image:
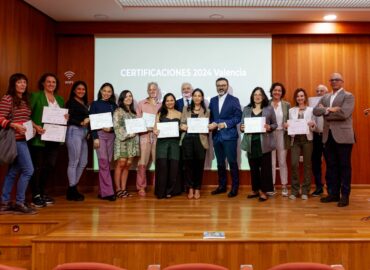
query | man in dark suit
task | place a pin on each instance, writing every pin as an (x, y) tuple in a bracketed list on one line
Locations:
[(338, 137), (225, 116), (186, 91)]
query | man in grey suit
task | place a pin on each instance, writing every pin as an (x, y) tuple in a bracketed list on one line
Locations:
[(338, 136)]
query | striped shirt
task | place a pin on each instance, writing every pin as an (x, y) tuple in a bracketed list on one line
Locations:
[(21, 114)]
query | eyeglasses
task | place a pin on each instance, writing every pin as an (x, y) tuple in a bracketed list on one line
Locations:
[(335, 80), (221, 85)]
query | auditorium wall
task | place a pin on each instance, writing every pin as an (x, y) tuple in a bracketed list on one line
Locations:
[(33, 43)]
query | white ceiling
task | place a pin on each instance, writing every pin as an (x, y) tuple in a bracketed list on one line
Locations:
[(202, 10)]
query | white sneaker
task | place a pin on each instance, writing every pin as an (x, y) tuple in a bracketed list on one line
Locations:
[(284, 191), (304, 197), (271, 193), (292, 197)]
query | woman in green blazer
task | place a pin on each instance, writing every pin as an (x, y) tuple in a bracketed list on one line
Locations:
[(43, 153)]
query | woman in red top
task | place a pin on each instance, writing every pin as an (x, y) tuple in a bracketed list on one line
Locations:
[(14, 111)]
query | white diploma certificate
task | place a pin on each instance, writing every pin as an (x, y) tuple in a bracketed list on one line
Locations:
[(101, 120), (313, 101), (54, 133), (254, 125), (168, 129), (29, 130), (135, 125), (297, 127), (52, 115), (149, 119), (197, 125)]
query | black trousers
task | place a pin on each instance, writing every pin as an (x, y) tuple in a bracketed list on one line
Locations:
[(193, 154), (317, 153), (44, 160), (338, 167), (261, 173)]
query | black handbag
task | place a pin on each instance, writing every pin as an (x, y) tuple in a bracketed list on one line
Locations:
[(8, 146)]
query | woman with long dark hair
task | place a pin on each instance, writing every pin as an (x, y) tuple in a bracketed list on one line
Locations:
[(259, 145), (126, 146), (167, 152), (78, 124), (14, 111), (104, 140), (44, 153), (194, 145)]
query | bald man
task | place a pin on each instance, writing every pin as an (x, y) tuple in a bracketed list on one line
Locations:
[(338, 136), (318, 146)]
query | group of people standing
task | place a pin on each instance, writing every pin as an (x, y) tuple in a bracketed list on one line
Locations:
[(330, 133)]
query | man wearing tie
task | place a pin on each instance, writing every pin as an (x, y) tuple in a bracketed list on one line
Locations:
[(338, 137), (186, 90), (225, 116), (318, 147)]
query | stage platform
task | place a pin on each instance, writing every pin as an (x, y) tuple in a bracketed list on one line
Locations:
[(136, 232)]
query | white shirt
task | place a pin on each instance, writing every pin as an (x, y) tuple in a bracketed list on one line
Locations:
[(53, 104), (185, 101), (333, 96), (279, 115), (221, 100)]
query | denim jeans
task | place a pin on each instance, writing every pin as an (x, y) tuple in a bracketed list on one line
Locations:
[(77, 153), (22, 165)]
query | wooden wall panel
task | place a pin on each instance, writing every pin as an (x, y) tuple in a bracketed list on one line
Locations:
[(28, 43), (306, 61)]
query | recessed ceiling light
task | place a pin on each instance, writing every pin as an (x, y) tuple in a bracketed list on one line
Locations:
[(216, 17), (330, 17)]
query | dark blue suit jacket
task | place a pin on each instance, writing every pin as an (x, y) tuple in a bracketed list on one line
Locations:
[(230, 114), (179, 104)]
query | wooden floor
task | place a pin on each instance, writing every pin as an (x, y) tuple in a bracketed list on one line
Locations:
[(135, 232)]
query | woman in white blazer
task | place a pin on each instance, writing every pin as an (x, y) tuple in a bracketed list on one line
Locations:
[(301, 144)]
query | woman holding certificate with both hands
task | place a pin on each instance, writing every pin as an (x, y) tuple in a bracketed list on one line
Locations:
[(126, 146), (301, 142), (194, 144), (260, 143), (167, 150), (103, 141), (43, 153)]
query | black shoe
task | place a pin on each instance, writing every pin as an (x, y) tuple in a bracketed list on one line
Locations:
[(232, 194), (253, 195), (47, 199), (6, 208), (78, 196), (343, 202), (23, 209), (218, 190), (330, 198), (111, 198), (38, 201), (70, 195), (317, 192), (262, 199)]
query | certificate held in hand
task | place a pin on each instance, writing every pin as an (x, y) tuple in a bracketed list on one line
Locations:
[(168, 129), (51, 115), (101, 120), (54, 133), (149, 119), (197, 125), (297, 127), (254, 125), (135, 125)]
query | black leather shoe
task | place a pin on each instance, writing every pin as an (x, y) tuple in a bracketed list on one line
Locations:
[(232, 193), (253, 195), (218, 190), (330, 198), (262, 199), (343, 202)]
